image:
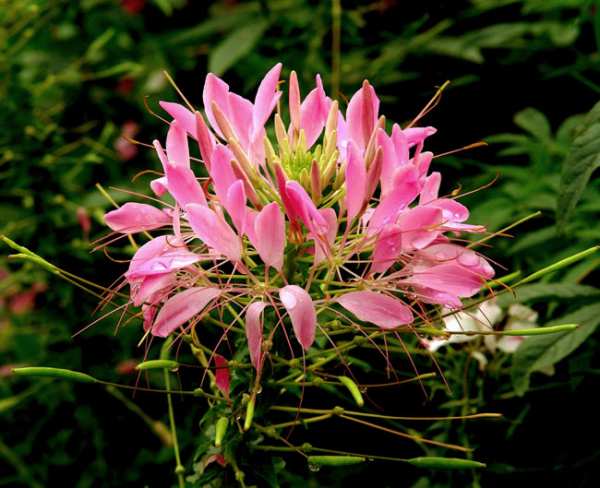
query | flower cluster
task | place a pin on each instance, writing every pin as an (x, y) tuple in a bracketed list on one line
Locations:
[(333, 214)]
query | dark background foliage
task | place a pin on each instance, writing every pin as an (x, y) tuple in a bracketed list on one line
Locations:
[(75, 75)]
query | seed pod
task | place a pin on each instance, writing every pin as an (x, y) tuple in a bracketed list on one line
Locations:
[(249, 414), (64, 374), (559, 265), (157, 364), (550, 329), (220, 430), (432, 462), (335, 460), (353, 389)]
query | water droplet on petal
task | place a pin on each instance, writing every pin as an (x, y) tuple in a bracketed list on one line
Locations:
[(288, 299)]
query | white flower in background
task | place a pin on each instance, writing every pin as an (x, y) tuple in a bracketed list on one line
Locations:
[(519, 317), (482, 319)]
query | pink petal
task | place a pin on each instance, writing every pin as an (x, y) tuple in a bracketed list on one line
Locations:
[(400, 144), (158, 256), (178, 151), (356, 182), (388, 248), (221, 171), (266, 98), (136, 217), (416, 135), (361, 115), (161, 154), (405, 189), (214, 231), (420, 226), (159, 186), (184, 117), (254, 330), (342, 136), (431, 188), (222, 374), (453, 253), (314, 112), (379, 309), (452, 210), (240, 117), (236, 205), (180, 308), (269, 231), (422, 161), (151, 285), (449, 278), (217, 91), (148, 314), (322, 247), (206, 141), (249, 227), (288, 204), (302, 313), (303, 206), (389, 161), (428, 295), (184, 186)]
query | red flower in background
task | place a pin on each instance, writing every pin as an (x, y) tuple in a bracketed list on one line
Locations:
[(133, 7)]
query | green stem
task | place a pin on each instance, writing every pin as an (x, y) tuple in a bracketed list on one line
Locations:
[(338, 410), (507, 228), (12, 458), (310, 420), (179, 469), (329, 451)]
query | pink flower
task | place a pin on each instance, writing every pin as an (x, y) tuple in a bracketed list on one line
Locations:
[(83, 217), (346, 214), (125, 148)]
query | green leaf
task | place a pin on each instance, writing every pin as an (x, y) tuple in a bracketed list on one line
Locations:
[(94, 52), (10, 402), (534, 122), (236, 45), (583, 159), (538, 353), (543, 291)]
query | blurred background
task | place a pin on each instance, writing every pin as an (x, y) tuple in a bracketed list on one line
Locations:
[(79, 80)]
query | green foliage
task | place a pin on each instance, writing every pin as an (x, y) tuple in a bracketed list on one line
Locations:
[(236, 45), (583, 159), (540, 353)]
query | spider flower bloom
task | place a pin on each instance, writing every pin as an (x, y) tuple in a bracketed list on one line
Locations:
[(333, 214)]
